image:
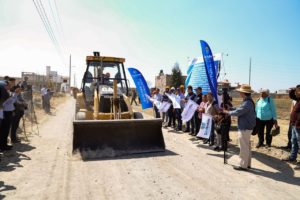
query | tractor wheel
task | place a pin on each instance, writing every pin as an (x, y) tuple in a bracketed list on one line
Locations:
[(138, 115)]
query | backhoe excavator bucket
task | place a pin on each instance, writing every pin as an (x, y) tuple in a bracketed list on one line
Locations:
[(110, 138)]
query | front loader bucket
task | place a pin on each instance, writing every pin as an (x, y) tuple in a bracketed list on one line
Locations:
[(110, 138)]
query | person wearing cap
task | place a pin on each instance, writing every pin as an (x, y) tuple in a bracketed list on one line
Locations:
[(246, 122), (295, 126), (266, 117), (190, 96)]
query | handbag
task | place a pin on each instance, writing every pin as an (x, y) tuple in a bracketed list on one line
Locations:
[(275, 130), (218, 127)]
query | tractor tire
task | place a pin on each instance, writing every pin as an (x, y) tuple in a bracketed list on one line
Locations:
[(138, 115), (77, 107), (80, 116)]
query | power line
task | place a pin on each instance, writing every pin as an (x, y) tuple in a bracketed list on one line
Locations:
[(59, 19), (49, 24), (55, 20), (43, 15), (43, 20)]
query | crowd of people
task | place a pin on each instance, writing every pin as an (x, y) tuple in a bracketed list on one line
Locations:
[(254, 117), (14, 100)]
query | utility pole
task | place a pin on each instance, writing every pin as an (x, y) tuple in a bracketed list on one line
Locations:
[(74, 80), (250, 72), (70, 72)]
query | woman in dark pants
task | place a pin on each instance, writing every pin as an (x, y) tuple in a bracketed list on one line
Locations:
[(267, 117)]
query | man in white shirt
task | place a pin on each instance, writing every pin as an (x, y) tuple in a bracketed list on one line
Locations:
[(43, 93), (157, 97)]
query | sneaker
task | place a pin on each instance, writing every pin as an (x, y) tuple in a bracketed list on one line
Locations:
[(186, 130)]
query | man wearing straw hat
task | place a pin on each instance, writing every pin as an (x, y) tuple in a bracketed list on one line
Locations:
[(246, 122)]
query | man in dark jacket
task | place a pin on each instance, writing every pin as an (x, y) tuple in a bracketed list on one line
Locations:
[(8, 108), (3, 96), (165, 98), (198, 100), (133, 98), (20, 106), (295, 126), (171, 114)]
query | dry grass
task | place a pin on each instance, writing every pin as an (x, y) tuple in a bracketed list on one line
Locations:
[(282, 106)]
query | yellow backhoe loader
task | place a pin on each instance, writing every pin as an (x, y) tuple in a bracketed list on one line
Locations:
[(105, 123)]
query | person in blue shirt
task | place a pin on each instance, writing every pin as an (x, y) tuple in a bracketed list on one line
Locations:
[(266, 117)]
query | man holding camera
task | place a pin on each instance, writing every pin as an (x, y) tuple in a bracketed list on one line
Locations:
[(20, 107), (8, 108)]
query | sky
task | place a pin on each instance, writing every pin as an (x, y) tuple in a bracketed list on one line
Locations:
[(153, 35)]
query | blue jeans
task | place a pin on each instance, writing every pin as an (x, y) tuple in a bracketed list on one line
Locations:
[(295, 142)]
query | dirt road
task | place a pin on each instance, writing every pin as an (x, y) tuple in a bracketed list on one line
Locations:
[(45, 169)]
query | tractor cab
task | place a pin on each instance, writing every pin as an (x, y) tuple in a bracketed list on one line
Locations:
[(100, 74)]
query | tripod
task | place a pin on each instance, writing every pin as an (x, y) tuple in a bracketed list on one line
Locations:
[(33, 118)]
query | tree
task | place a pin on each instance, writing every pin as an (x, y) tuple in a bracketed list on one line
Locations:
[(176, 76)]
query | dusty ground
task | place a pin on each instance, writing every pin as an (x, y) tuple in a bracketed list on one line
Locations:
[(45, 169)]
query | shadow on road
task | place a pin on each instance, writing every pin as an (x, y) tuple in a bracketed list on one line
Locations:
[(284, 172), (134, 156), (11, 159), (4, 187)]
